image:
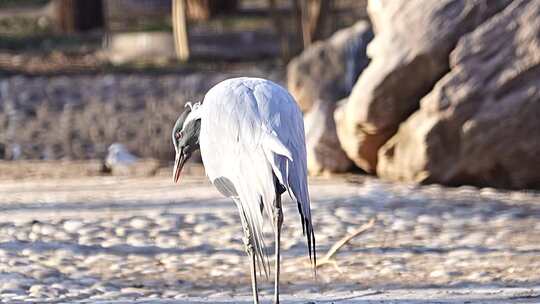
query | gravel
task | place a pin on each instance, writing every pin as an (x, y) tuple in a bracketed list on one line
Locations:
[(145, 240)]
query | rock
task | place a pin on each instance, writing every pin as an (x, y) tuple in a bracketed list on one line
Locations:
[(408, 55), (137, 240), (318, 78), (439, 273), (480, 123), (140, 223), (324, 152), (133, 292), (363, 144), (328, 69), (37, 289), (72, 226)]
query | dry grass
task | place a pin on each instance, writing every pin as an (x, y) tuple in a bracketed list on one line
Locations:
[(85, 132), (57, 118)]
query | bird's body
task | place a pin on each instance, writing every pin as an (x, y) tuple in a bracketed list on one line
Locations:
[(251, 138)]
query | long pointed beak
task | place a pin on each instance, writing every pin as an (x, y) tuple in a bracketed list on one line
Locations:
[(179, 161)]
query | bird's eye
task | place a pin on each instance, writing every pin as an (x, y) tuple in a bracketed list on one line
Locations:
[(178, 135)]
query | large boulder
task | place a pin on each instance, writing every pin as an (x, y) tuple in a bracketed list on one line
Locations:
[(323, 74), (328, 69), (480, 125), (409, 53), (324, 153), (318, 78)]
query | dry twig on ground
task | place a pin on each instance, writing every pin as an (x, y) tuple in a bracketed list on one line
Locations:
[(327, 259)]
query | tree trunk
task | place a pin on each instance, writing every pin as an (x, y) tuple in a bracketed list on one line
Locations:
[(202, 10), (314, 15), (180, 29), (79, 15)]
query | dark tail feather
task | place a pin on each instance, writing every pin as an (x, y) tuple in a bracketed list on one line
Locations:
[(311, 246), (310, 237)]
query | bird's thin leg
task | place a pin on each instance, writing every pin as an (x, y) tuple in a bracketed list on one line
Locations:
[(278, 220), (254, 278), (249, 250)]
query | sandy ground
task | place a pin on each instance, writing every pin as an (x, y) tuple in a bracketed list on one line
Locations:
[(146, 240)]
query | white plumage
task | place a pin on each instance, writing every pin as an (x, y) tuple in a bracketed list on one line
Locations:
[(251, 128), (251, 133), (119, 155)]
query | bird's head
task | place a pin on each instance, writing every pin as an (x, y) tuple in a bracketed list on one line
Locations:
[(185, 136)]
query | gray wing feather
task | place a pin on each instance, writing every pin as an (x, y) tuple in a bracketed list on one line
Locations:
[(288, 126), (225, 187)]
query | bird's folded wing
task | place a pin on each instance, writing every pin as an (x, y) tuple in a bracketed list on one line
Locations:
[(249, 133), (283, 118)]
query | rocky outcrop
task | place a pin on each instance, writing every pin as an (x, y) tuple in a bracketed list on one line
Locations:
[(318, 78), (322, 144), (328, 69), (409, 54), (480, 124)]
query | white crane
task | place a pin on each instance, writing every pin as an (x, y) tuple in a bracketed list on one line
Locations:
[(251, 136)]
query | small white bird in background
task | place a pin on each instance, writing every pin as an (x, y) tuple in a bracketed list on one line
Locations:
[(119, 158), (250, 133), (119, 155)]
